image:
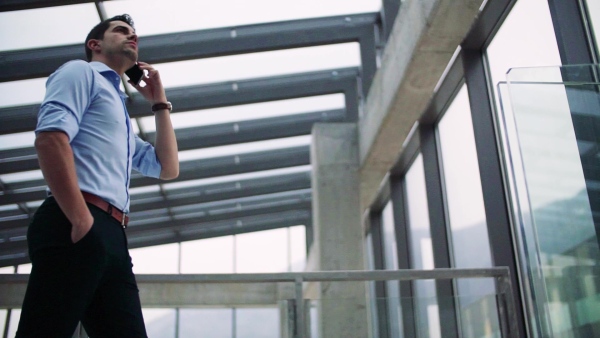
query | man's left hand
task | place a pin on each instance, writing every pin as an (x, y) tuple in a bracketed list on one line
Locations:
[(154, 90)]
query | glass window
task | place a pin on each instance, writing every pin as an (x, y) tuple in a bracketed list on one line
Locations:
[(297, 242), (160, 322), (264, 251), (187, 15), (464, 200), (3, 313), (391, 263), (426, 308), (214, 323), (50, 26), (156, 259), (211, 255), (13, 324), (246, 323)]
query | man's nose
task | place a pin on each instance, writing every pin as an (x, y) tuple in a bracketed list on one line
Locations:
[(133, 37)]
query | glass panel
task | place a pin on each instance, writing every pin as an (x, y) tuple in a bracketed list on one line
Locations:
[(421, 249), (160, 322), (13, 324), (24, 268), (464, 200), (250, 111), (246, 147), (519, 43), (555, 115), (3, 313), (257, 65), (214, 323), (297, 241), (264, 251), (158, 17), (156, 259), (219, 249), (247, 323), (23, 92), (391, 263), (51, 26)]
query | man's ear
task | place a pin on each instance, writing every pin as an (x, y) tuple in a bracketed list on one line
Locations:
[(94, 44)]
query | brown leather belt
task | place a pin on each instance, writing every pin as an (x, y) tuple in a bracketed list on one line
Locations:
[(109, 208)]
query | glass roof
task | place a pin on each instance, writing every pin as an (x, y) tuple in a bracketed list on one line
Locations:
[(67, 25)]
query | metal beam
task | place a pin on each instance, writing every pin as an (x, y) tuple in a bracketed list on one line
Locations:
[(191, 217), (251, 130), (221, 228), (24, 118), (15, 230), (211, 167), (35, 63), (195, 194), (17, 254), (219, 210), (220, 191), (23, 159)]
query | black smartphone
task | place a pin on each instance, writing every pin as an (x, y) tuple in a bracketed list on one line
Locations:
[(135, 74)]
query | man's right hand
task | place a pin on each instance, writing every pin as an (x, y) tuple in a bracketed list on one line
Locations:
[(58, 166), (79, 231)]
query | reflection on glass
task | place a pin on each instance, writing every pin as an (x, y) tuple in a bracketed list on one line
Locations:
[(464, 200), (257, 322), (214, 323), (422, 251), (593, 7), (557, 150), (519, 43), (390, 259)]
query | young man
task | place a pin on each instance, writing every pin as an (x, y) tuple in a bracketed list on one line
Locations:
[(86, 148)]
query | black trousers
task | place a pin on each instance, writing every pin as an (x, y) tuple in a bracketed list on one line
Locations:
[(89, 281)]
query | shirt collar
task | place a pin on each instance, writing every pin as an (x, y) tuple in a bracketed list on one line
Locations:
[(109, 74)]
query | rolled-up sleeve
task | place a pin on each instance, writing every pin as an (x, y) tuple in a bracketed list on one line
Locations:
[(68, 95), (145, 160)]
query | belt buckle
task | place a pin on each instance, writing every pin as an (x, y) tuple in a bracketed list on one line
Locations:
[(124, 216)]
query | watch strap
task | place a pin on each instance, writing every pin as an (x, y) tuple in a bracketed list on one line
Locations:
[(161, 106)]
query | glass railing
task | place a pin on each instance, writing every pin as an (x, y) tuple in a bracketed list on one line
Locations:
[(551, 133), (310, 305)]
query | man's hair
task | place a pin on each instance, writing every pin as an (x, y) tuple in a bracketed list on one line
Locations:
[(97, 33)]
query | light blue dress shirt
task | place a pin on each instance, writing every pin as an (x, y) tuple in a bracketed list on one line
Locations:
[(84, 101)]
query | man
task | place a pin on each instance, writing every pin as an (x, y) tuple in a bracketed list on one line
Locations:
[(82, 270)]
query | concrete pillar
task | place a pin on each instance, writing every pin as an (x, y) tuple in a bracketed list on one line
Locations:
[(338, 235)]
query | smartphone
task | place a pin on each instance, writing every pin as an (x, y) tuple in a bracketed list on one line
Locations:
[(135, 74)]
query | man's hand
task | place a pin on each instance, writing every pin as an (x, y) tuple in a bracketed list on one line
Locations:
[(80, 230), (166, 143), (154, 90)]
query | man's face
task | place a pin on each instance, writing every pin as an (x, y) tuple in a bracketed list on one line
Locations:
[(120, 39)]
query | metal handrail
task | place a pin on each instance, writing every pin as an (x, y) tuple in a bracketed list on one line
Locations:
[(504, 288)]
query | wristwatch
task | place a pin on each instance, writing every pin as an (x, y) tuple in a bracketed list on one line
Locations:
[(161, 106)]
